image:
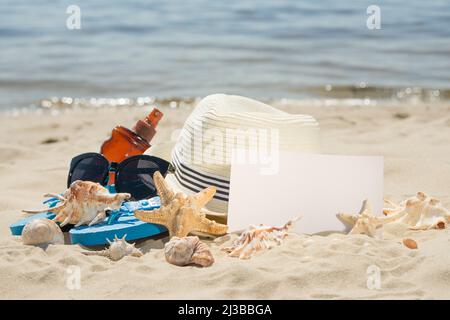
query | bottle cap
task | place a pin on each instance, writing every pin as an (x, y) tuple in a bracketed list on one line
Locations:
[(145, 130), (154, 117)]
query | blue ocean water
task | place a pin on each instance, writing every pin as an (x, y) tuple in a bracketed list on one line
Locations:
[(262, 49)]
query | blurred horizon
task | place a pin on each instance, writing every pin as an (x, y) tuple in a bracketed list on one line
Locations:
[(265, 49)]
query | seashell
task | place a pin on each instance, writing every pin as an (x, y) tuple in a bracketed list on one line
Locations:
[(182, 214), (420, 212), (42, 231), (188, 250), (202, 255), (118, 249), (85, 202), (258, 238), (410, 243)]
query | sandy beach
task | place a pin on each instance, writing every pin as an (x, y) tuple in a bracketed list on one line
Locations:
[(35, 151)]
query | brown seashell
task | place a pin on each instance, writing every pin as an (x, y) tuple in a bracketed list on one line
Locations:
[(202, 255), (256, 239), (188, 250), (410, 243)]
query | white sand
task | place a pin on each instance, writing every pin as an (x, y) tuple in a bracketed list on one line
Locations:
[(417, 153)]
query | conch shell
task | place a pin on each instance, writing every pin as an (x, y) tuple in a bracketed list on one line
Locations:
[(188, 250), (41, 232), (420, 212), (258, 238), (118, 249), (85, 202)]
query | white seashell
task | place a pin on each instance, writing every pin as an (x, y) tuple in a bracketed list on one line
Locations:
[(420, 212), (188, 250), (42, 231), (118, 249)]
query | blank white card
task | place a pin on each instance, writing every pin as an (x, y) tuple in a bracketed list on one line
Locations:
[(316, 187)]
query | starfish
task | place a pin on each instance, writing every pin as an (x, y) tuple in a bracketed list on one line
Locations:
[(364, 222), (182, 214)]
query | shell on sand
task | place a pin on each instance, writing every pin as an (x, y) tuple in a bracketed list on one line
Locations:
[(84, 202), (202, 255), (420, 212), (258, 238), (188, 250), (42, 231), (410, 243), (118, 249)]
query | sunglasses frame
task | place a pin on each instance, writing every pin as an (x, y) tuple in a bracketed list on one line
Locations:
[(116, 167)]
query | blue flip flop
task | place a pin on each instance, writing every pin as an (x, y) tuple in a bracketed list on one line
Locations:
[(119, 222), (17, 227)]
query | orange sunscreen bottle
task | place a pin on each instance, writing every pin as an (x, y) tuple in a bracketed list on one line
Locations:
[(125, 143)]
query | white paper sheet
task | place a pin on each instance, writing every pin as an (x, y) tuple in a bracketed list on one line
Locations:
[(316, 187)]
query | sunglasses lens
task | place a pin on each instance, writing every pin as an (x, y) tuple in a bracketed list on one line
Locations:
[(136, 177), (90, 169)]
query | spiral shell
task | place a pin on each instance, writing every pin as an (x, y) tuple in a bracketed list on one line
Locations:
[(202, 255), (188, 250), (42, 231)]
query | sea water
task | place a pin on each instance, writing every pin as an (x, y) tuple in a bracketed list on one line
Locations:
[(262, 49)]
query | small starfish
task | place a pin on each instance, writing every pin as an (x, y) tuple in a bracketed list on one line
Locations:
[(182, 214), (364, 222)]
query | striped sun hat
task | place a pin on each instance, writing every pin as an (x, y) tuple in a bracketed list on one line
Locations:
[(223, 126)]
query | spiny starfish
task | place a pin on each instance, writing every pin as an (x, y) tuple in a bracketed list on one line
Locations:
[(182, 214), (364, 222)]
